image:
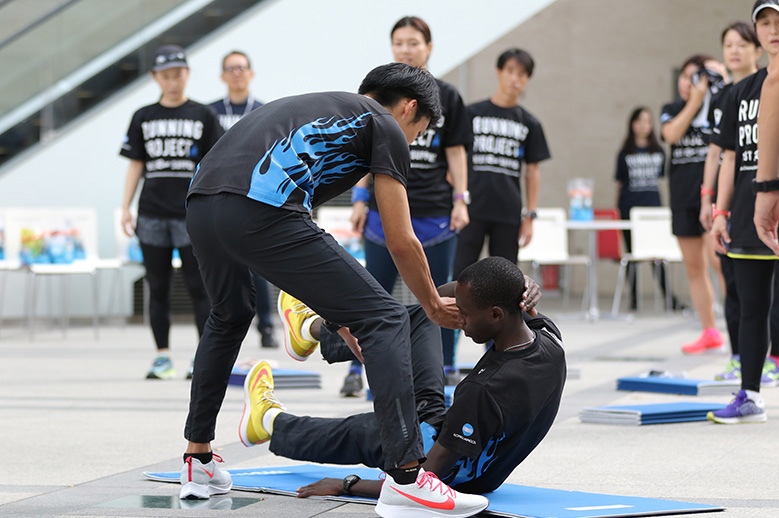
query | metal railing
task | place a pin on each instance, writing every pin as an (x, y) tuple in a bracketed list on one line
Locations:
[(58, 67)]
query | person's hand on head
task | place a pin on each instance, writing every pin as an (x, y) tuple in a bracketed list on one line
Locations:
[(446, 314), (698, 92), (720, 68), (530, 297)]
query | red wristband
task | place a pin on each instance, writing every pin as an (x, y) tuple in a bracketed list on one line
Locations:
[(717, 212), (704, 190)]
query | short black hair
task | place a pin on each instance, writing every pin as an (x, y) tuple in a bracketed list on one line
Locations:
[(699, 60), (494, 281), (236, 53), (391, 83), (521, 56)]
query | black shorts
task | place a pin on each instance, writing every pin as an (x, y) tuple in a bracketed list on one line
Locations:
[(685, 223)]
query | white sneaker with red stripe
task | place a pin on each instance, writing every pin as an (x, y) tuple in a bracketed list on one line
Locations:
[(200, 481), (428, 496)]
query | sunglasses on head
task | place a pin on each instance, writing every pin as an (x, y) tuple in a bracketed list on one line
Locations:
[(162, 59)]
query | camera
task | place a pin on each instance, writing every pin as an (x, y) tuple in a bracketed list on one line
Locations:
[(716, 81)]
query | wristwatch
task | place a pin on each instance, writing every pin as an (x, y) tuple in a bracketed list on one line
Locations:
[(767, 186), (529, 214), (465, 196), (349, 481)]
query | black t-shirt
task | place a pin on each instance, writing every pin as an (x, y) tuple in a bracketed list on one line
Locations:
[(429, 194), (503, 409), (502, 139), (688, 155), (229, 113), (639, 173), (716, 107), (738, 132), (299, 152), (171, 142)]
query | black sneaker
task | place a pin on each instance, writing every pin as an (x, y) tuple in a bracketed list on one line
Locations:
[(352, 385), (267, 340)]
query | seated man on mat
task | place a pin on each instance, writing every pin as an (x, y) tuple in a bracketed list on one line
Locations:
[(500, 413)]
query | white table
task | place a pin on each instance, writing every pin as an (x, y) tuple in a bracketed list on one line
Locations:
[(593, 226)]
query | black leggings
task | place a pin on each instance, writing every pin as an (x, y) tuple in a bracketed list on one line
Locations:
[(755, 286), (232, 235), (503, 242), (159, 275), (732, 308)]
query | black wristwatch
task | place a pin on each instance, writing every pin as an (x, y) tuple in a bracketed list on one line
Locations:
[(767, 186), (529, 214), (349, 481)]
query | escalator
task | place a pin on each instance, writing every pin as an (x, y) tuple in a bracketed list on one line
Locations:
[(62, 57)]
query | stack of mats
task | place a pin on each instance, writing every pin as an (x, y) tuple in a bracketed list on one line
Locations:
[(658, 413), (688, 387), (282, 378)]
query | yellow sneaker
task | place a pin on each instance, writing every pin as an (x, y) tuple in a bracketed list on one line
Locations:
[(258, 399), (293, 314)]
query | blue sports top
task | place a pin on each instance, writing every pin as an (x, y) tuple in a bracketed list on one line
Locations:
[(299, 152)]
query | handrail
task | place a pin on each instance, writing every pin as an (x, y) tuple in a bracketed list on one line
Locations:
[(94, 66), (24, 30)]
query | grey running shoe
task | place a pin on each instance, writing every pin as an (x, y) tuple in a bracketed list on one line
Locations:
[(161, 369), (352, 385)]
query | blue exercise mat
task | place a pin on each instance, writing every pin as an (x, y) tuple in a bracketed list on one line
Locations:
[(509, 500), (688, 387), (658, 413), (282, 378)]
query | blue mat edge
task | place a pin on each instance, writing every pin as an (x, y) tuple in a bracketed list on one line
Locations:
[(370, 473)]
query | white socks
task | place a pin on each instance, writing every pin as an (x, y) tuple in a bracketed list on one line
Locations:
[(268, 418), (305, 329)]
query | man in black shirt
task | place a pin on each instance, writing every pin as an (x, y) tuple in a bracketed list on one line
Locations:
[(249, 208), (237, 73), (504, 135), (501, 410)]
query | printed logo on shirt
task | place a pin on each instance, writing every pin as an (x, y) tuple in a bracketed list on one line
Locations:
[(425, 147), (644, 170), (172, 138), (691, 148), (467, 430), (498, 145), (748, 133)]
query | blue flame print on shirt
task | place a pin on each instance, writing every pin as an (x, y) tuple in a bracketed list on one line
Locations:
[(466, 469), (310, 156)]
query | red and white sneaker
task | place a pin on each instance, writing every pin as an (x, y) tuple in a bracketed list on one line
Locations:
[(709, 339), (200, 481), (428, 496)]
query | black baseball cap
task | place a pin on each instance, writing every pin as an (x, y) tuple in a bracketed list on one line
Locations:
[(169, 56), (762, 4)]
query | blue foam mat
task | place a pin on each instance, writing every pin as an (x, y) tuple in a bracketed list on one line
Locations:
[(282, 377), (509, 500), (654, 413), (685, 386)]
